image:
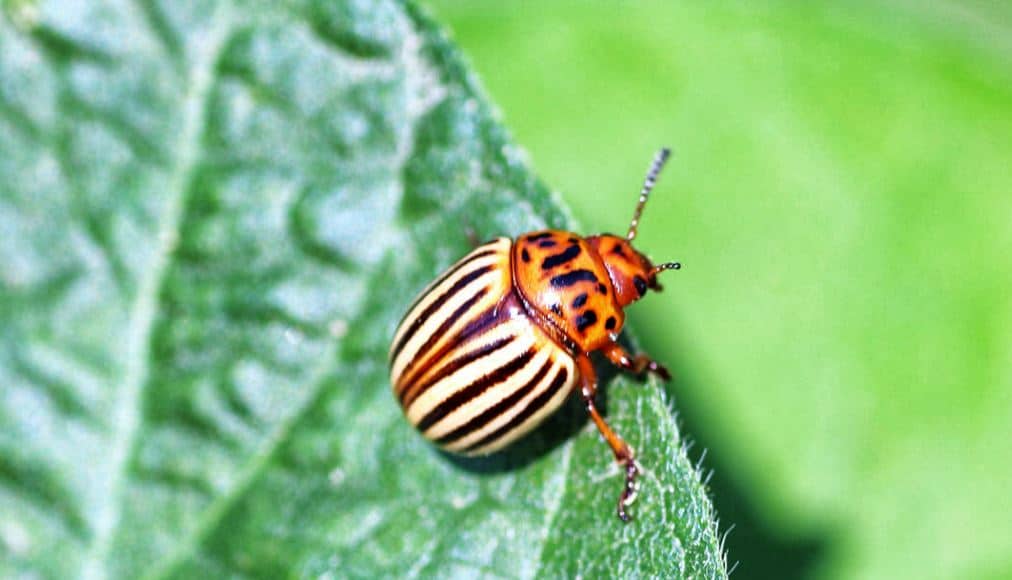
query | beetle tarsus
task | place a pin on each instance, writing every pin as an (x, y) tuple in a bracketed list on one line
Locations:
[(656, 368), (630, 491), (643, 364)]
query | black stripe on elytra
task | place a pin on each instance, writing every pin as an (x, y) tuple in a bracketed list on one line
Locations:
[(586, 320), (580, 300), (454, 366), (530, 409), (570, 278), (602, 289), (450, 272), (547, 244), (476, 326), (556, 260), (541, 236), (437, 304), (423, 354), (525, 255), (475, 389), (490, 414)]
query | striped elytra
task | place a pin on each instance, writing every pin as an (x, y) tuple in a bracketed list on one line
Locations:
[(471, 370), (499, 341)]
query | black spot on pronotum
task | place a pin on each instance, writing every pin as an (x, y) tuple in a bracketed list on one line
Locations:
[(618, 251), (546, 244), (556, 260), (641, 285), (525, 255), (580, 300), (602, 289), (610, 323), (586, 320), (570, 278)]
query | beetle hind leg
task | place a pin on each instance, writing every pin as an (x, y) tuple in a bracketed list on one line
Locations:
[(624, 454)]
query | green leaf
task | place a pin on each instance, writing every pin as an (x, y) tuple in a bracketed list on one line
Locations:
[(213, 217)]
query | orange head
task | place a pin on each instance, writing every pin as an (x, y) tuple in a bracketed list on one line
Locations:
[(632, 273)]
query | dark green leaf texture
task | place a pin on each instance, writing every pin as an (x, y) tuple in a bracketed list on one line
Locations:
[(212, 217)]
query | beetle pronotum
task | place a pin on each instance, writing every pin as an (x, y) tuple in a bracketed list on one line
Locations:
[(498, 341)]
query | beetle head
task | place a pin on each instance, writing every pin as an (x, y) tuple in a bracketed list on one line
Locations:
[(631, 273)]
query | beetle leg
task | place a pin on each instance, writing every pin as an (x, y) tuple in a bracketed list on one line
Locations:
[(472, 236), (637, 365), (624, 454)]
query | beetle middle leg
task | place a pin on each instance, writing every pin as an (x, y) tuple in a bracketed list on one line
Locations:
[(637, 365), (624, 454)]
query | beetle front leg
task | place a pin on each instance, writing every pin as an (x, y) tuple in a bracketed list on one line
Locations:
[(624, 454), (637, 365)]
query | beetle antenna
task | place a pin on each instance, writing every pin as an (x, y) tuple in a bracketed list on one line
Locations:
[(648, 185), (665, 266)]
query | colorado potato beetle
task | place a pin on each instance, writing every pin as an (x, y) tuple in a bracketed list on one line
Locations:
[(495, 344)]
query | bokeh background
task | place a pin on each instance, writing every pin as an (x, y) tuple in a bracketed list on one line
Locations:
[(841, 197)]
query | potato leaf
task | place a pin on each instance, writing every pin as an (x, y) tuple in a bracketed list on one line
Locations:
[(214, 215)]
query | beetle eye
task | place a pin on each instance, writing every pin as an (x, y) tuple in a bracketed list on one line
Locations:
[(641, 285)]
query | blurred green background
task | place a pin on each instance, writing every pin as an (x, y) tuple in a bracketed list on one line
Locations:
[(841, 197)]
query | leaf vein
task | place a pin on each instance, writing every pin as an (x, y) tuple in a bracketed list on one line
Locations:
[(214, 514), (126, 413)]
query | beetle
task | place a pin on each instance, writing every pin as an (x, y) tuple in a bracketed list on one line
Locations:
[(498, 342)]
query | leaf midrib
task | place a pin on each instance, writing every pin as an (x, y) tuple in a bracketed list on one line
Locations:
[(126, 415)]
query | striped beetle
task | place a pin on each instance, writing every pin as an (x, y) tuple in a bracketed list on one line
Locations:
[(497, 343)]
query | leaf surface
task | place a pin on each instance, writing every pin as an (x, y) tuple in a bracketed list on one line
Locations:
[(214, 215)]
